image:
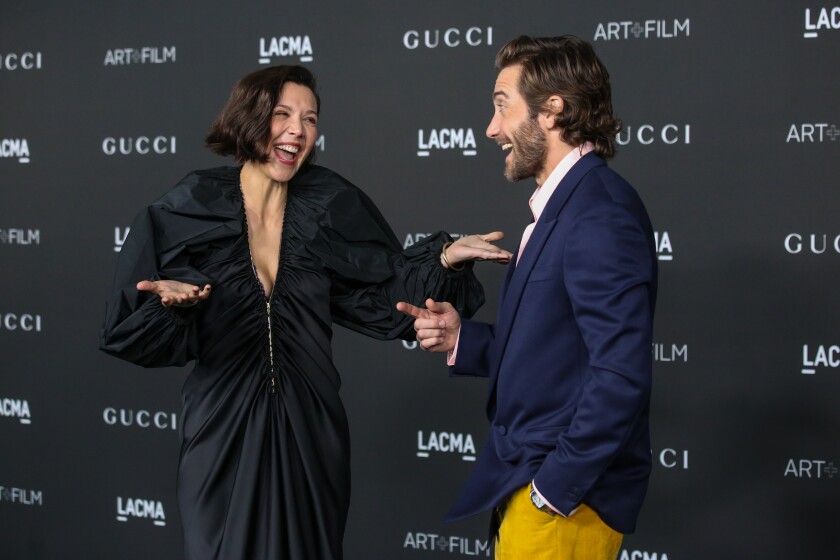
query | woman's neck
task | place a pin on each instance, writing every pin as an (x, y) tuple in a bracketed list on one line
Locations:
[(264, 197)]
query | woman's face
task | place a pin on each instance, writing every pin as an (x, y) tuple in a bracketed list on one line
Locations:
[(294, 129)]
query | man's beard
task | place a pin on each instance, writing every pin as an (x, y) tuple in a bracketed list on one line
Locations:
[(528, 151)]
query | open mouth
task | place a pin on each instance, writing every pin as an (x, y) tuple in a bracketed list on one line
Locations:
[(507, 147), (286, 153)]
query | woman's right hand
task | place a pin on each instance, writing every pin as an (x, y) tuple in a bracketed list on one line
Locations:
[(475, 248), (172, 292)]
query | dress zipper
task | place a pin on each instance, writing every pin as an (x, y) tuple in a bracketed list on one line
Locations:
[(273, 382), (272, 378)]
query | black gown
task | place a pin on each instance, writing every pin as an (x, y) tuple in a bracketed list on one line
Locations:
[(264, 469)]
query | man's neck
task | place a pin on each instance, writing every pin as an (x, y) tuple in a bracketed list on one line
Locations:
[(554, 154)]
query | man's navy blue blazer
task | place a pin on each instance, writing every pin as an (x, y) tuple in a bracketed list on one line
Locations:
[(569, 360)]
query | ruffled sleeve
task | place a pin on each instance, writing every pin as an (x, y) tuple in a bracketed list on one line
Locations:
[(160, 246), (371, 271)]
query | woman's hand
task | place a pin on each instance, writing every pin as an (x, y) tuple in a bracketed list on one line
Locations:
[(475, 248), (172, 292)]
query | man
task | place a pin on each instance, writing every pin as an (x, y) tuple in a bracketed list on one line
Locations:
[(567, 460)]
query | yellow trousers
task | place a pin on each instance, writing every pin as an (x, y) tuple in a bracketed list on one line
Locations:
[(527, 533)]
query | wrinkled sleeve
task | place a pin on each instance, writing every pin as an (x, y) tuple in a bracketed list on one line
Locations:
[(137, 327), (372, 272)]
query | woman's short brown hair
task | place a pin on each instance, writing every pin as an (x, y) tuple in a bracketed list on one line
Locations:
[(566, 66), (243, 127)]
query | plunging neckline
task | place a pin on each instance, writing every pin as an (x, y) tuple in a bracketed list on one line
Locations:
[(267, 296)]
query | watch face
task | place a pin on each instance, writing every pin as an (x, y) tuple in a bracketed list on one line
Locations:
[(536, 499)]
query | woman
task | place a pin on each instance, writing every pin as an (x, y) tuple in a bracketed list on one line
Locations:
[(244, 269)]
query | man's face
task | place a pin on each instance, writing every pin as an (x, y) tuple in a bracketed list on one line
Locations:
[(514, 130)]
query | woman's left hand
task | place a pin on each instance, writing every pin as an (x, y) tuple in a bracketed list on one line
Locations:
[(477, 248), (172, 292)]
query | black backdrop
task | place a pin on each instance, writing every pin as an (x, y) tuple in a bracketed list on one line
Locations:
[(731, 136)]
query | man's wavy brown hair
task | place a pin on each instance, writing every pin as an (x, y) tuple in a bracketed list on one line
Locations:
[(566, 66)]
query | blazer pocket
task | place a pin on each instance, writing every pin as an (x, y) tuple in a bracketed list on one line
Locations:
[(545, 273), (541, 441), (544, 433)]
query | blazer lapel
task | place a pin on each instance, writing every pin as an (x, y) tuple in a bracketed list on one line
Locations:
[(517, 278), (511, 268)]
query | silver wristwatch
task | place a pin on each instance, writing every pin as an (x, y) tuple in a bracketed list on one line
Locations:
[(539, 503)]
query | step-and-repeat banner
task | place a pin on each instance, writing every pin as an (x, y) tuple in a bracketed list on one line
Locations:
[(731, 134)]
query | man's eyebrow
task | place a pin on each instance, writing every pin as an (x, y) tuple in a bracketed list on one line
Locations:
[(500, 94)]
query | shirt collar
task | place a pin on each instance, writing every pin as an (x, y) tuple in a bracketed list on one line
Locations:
[(540, 198)]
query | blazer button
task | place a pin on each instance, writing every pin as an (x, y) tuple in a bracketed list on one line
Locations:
[(502, 429)]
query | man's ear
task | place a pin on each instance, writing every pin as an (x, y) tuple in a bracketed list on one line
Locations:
[(553, 107)]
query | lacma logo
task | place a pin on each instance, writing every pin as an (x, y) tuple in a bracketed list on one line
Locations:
[(285, 46), (16, 408), (810, 468), (822, 19), (648, 29), (819, 356), (142, 55), (445, 442), (664, 250), (120, 235), (641, 555), (812, 133), (446, 139), (141, 509), (15, 148)]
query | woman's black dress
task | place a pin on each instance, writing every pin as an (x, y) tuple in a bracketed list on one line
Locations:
[(264, 470)]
